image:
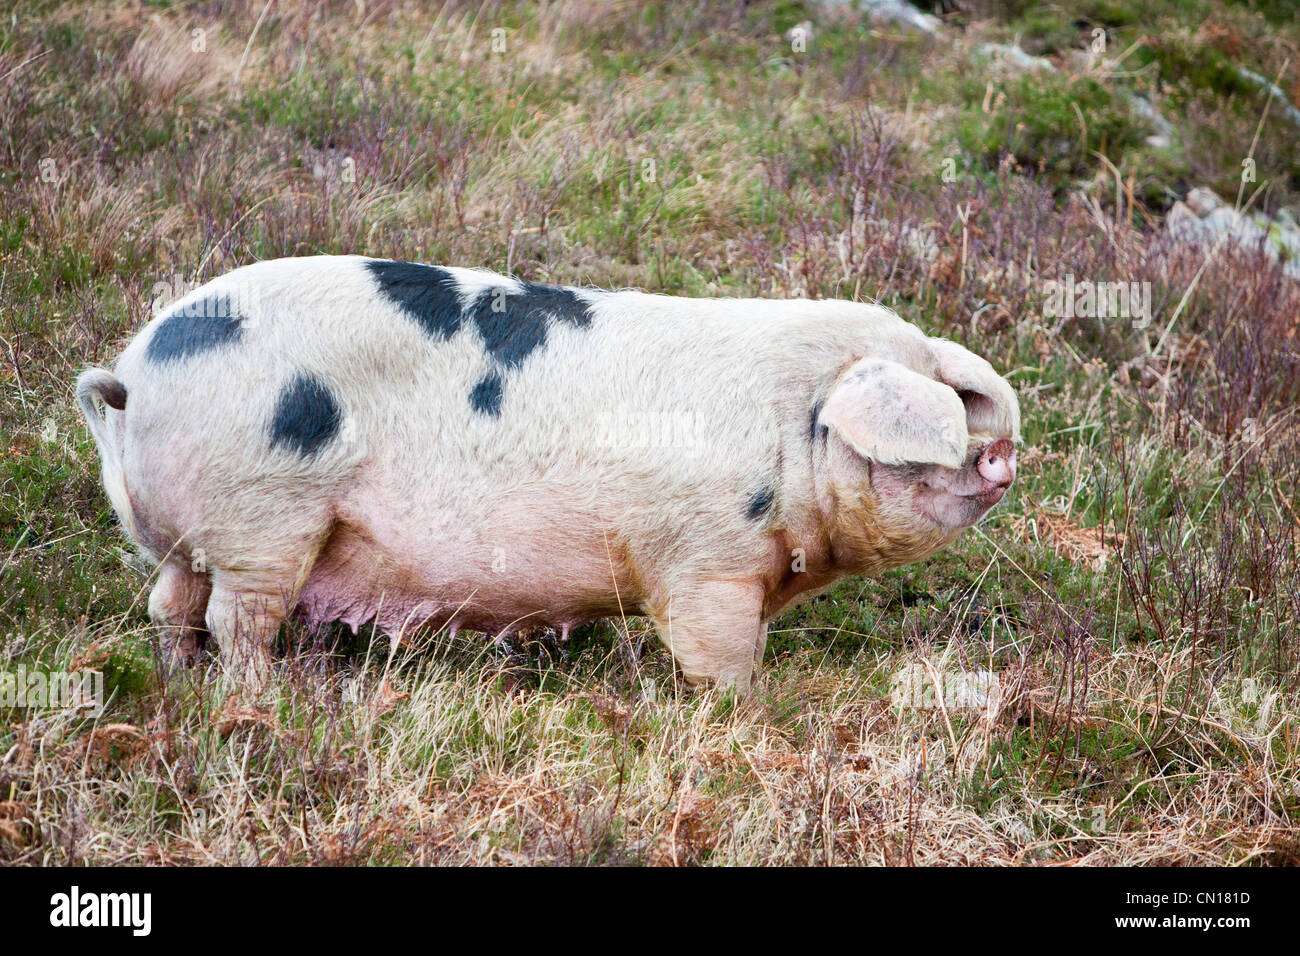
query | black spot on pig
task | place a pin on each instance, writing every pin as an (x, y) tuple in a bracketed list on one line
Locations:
[(760, 505), (563, 305), (485, 397), (306, 417), (509, 333), (196, 327), (513, 324), (429, 295)]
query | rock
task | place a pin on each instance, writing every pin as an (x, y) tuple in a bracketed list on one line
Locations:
[(1162, 138), (887, 11), (1014, 59), (1286, 239), (1204, 218), (1203, 201), (901, 12), (1232, 224), (1271, 88), (1183, 225)]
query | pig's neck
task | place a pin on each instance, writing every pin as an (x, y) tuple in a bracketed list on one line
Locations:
[(868, 535), (848, 530)]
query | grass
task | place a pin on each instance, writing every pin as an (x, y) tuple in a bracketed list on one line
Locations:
[(1132, 605)]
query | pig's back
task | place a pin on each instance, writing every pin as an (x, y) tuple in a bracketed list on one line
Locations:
[(378, 385)]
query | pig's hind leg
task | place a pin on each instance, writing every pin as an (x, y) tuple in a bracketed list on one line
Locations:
[(244, 620), (715, 631), (245, 611)]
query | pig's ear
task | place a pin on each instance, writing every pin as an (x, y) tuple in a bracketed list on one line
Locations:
[(991, 404), (892, 415)]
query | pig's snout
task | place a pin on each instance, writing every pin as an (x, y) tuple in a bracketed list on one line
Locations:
[(997, 464)]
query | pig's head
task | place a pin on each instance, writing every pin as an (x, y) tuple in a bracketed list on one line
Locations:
[(914, 459)]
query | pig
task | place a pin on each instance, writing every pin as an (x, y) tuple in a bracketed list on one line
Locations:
[(341, 438)]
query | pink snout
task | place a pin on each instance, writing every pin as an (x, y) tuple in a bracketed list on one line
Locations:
[(997, 465)]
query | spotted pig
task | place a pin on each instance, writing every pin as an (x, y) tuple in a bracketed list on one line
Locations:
[(352, 439)]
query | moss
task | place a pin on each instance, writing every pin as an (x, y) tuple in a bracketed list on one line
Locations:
[(1052, 125)]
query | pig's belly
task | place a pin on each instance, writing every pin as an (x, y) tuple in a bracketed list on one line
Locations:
[(420, 577)]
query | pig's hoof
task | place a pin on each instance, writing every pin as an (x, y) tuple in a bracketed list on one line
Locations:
[(254, 674), (182, 648)]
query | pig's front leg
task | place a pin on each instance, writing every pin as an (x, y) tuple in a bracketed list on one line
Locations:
[(715, 631)]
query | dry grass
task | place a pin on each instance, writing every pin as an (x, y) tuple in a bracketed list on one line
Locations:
[(432, 760)]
